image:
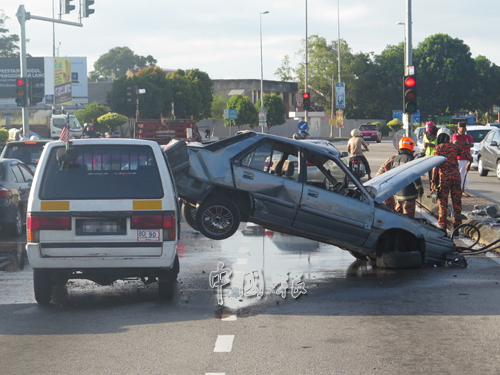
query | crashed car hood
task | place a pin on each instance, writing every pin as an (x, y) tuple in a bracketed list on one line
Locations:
[(389, 183)]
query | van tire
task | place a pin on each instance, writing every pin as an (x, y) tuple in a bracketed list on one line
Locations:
[(42, 286), (407, 259), (188, 213), (166, 290), (218, 218)]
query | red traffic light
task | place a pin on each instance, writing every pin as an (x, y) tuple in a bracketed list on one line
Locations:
[(410, 82), (305, 95), (21, 81)]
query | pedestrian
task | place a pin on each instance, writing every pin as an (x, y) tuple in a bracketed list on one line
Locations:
[(430, 141), (355, 149), (303, 134), (465, 141), (446, 179), (406, 197)]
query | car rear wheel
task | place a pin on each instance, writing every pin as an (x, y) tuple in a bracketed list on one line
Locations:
[(188, 213), (357, 255), (166, 290), (480, 168), (408, 259), (17, 223), (42, 286), (217, 218)]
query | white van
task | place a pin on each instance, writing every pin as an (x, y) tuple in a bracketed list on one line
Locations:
[(102, 210), (57, 122)]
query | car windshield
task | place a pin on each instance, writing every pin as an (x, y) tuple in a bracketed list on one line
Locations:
[(28, 152), (368, 127), (101, 172), (59, 122), (477, 135)]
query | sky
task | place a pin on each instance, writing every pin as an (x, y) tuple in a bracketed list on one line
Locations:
[(222, 37)]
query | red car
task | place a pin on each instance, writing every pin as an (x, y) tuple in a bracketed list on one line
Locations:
[(370, 133)]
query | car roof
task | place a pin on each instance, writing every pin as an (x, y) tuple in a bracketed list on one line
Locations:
[(31, 141), (478, 127)]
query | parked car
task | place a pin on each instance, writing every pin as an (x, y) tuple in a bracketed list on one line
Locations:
[(28, 151), (227, 182), (370, 132), (495, 124), (15, 184), (103, 210), (478, 132), (488, 157)]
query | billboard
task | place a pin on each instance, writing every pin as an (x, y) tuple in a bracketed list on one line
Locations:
[(62, 81), (10, 70)]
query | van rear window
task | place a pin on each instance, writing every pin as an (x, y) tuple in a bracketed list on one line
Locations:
[(97, 172)]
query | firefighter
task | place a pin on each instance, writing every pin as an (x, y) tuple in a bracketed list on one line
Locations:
[(446, 178)]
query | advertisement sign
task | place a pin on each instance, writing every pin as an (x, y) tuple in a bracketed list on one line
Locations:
[(340, 95), (340, 118), (62, 81), (10, 70)]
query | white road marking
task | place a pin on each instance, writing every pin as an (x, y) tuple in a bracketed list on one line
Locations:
[(242, 261), (215, 373), (228, 318), (224, 344)]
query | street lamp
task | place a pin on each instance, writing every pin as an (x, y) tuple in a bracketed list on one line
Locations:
[(404, 38), (262, 72)]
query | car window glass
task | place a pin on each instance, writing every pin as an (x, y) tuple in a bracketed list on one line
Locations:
[(17, 173), (27, 174), (488, 137), (258, 158), (27, 153), (96, 172), (496, 137)]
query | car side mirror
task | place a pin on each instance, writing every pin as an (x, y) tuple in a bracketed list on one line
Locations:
[(494, 144), (344, 154)]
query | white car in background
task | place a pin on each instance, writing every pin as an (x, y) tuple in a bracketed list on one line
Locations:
[(478, 132)]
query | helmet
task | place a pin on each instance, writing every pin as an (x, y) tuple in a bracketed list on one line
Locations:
[(444, 130), (355, 133), (443, 135), (429, 125), (406, 142), (298, 136)]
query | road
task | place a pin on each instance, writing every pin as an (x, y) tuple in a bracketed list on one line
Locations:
[(353, 318)]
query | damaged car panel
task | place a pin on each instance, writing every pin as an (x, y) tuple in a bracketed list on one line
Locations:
[(306, 190)]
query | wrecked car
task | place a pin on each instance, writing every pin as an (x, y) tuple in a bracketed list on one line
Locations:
[(261, 178)]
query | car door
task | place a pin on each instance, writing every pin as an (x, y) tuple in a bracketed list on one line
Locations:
[(275, 195), (22, 181), (339, 211), (490, 151)]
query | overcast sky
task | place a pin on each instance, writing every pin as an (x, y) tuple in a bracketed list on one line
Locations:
[(222, 37)]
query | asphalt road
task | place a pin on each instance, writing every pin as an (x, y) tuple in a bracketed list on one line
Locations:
[(353, 318)]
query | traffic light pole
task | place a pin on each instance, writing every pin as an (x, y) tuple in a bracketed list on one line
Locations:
[(22, 16), (408, 117)]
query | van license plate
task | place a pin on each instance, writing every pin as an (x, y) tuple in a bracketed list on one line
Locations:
[(148, 235)]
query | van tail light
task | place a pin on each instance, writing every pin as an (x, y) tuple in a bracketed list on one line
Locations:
[(158, 220), (39, 221), (3, 192)]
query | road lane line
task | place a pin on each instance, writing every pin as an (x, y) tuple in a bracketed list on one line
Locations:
[(224, 344), (242, 261)]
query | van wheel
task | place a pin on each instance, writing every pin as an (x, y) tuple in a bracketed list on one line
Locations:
[(218, 218), (357, 255), (188, 213), (17, 223), (407, 259), (480, 168), (42, 286), (166, 290)]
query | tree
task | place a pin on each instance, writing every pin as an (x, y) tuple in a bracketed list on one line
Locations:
[(486, 92), (116, 62), (275, 108), (446, 75), (112, 120), (205, 87), (285, 72), (8, 46), (91, 113), (219, 104), (4, 135), (186, 96), (247, 113), (395, 124)]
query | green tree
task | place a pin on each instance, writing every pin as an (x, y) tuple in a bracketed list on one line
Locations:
[(446, 75), (285, 72), (219, 104), (395, 124), (486, 92), (158, 97), (112, 120), (247, 113), (91, 113), (275, 108), (116, 62), (4, 135), (205, 87), (8, 43), (186, 96)]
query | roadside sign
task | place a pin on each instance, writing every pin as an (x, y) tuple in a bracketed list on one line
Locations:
[(303, 125), (340, 95), (398, 114), (231, 114), (49, 99)]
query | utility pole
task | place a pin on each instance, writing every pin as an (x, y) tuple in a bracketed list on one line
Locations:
[(408, 117), (306, 89)]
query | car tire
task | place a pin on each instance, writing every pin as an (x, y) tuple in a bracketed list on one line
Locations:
[(166, 290), (480, 168), (498, 169), (188, 213), (409, 259), (42, 286), (16, 226), (217, 218), (357, 255)]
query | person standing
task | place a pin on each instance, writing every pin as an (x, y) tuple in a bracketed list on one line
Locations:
[(465, 141), (355, 149), (446, 179), (430, 138)]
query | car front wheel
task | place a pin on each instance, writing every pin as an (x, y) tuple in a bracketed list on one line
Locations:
[(408, 259), (42, 286), (217, 218), (480, 168)]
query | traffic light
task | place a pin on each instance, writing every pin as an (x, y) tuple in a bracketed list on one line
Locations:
[(410, 94), (306, 101), (67, 7), (86, 10), (21, 91), (130, 95), (37, 90)]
